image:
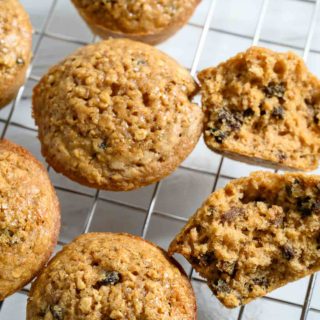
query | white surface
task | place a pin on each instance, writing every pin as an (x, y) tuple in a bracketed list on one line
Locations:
[(180, 194)]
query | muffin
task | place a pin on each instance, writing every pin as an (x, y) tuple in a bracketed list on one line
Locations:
[(142, 20), (15, 48), (117, 115), (111, 276), (263, 107), (255, 235), (29, 218)]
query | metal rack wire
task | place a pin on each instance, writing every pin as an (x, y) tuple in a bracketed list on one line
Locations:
[(216, 176)]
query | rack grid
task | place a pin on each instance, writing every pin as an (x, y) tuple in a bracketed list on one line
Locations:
[(303, 309)]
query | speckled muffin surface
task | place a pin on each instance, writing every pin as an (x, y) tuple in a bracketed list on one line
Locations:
[(255, 235), (29, 217), (263, 107), (117, 115), (15, 48), (111, 276), (142, 20)]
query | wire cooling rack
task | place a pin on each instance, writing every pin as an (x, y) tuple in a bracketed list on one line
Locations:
[(218, 30)]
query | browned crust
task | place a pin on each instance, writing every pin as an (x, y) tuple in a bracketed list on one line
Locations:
[(152, 38), (171, 259), (10, 88), (182, 152), (256, 161), (152, 174), (5, 144)]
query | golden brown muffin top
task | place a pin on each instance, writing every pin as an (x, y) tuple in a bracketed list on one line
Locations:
[(15, 39), (136, 16), (117, 115), (29, 217), (111, 276)]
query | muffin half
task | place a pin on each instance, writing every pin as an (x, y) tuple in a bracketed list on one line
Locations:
[(263, 107), (255, 235)]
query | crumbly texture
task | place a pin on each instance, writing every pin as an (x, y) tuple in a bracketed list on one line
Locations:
[(143, 20), (29, 217), (263, 107), (255, 235), (15, 48), (112, 276), (117, 115)]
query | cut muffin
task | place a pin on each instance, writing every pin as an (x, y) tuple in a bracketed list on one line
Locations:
[(117, 115), (263, 107), (15, 48), (255, 235), (29, 218), (141, 20), (112, 276)]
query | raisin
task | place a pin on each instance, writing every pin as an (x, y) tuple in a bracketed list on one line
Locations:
[(207, 258), (7, 232), (262, 282), (260, 199), (281, 156), (232, 120), (318, 241), (287, 252), (141, 62), (248, 113), (57, 312), (288, 189), (20, 61), (309, 103), (278, 113), (316, 118), (109, 278), (226, 266), (103, 145), (231, 214), (194, 260), (220, 286), (211, 210), (262, 111), (307, 206), (294, 189), (275, 90), (316, 207), (278, 221), (304, 205), (219, 135)]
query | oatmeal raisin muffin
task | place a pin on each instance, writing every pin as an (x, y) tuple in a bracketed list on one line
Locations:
[(112, 276), (263, 107), (117, 115), (29, 217), (255, 235), (142, 20), (15, 48)]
